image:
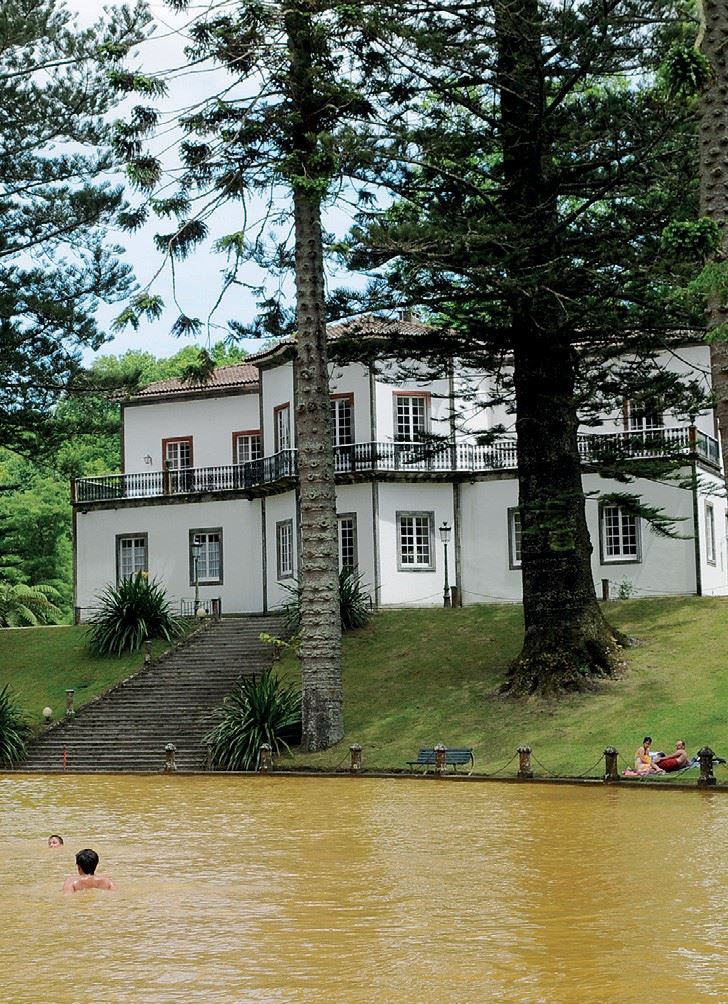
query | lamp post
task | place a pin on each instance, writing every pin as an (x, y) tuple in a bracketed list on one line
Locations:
[(445, 538), (196, 550)]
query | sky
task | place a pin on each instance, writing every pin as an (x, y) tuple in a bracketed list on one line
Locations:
[(197, 280)]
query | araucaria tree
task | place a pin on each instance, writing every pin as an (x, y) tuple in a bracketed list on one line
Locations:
[(535, 182), (56, 86), (275, 133)]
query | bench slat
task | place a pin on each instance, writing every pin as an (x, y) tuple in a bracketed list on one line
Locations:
[(453, 756)]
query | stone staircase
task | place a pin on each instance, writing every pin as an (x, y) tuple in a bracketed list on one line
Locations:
[(172, 700)]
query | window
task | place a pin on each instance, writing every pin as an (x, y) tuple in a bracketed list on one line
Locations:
[(347, 540), (284, 548), (410, 416), (177, 453), (209, 556), (709, 533), (620, 535), (247, 446), (342, 419), (514, 538), (415, 541), (642, 416), (131, 555), (282, 427)]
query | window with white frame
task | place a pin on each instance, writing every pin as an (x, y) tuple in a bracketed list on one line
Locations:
[(284, 548), (514, 538), (246, 446), (643, 416), (131, 555), (342, 419), (177, 453), (410, 416), (415, 544), (709, 533), (347, 540), (620, 534), (205, 548), (282, 427)]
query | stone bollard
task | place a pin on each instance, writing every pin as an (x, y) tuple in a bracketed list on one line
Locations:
[(170, 758), (70, 712), (266, 758), (217, 608), (611, 772), (707, 778), (524, 763), (147, 653), (440, 757), (355, 750)]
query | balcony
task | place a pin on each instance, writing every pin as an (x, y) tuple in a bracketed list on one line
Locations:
[(439, 459)]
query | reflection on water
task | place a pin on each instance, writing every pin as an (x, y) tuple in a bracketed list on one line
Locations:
[(351, 890)]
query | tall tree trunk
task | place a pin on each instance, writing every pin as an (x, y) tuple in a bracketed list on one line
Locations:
[(320, 653), (567, 641), (713, 140)]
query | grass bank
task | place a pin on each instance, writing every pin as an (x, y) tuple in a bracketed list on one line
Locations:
[(417, 677), (40, 664)]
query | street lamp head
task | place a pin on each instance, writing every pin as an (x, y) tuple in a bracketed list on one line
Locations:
[(196, 546), (445, 531)]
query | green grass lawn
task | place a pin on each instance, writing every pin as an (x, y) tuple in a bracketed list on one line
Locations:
[(417, 677), (40, 664)]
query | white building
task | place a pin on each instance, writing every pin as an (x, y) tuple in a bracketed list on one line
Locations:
[(208, 491)]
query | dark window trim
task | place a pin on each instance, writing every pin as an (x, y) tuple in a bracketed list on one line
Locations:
[(276, 438), (194, 533), (351, 516), (513, 562), (245, 433), (604, 559), (432, 567), (125, 536), (280, 574), (711, 561), (177, 439)]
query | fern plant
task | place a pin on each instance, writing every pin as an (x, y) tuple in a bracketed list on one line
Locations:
[(128, 614), (28, 606), (263, 709), (14, 729)]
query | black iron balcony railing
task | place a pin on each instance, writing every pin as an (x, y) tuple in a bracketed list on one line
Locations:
[(374, 458)]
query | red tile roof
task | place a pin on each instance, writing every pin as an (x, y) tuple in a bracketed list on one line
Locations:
[(236, 375)]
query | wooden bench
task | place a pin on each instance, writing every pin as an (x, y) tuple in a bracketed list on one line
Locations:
[(455, 757)]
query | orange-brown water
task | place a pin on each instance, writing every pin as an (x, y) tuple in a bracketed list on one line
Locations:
[(341, 891)]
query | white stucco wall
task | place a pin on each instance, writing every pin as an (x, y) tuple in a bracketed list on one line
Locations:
[(210, 421), (278, 508), (714, 574), (354, 379), (357, 499), (276, 388), (168, 527)]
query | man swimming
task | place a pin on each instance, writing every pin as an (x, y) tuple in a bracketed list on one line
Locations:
[(55, 840), (87, 862)]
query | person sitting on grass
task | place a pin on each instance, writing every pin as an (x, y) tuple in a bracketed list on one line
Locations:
[(676, 760), (643, 763), (86, 863)]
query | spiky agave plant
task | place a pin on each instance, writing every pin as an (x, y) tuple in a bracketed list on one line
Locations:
[(262, 709), (354, 602), (127, 614), (14, 729)]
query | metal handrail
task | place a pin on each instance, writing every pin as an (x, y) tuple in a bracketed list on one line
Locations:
[(391, 457)]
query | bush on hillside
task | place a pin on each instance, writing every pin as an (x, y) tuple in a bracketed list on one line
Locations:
[(28, 606), (263, 709), (130, 613), (354, 602), (14, 729)]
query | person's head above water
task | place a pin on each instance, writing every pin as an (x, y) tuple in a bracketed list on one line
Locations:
[(87, 861), (55, 840)]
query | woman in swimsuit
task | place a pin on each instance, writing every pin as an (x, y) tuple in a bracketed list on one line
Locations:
[(643, 761)]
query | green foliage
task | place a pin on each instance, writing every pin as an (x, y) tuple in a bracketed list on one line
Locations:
[(691, 240), (128, 614), (685, 71), (262, 710), (354, 602), (28, 606), (14, 730)]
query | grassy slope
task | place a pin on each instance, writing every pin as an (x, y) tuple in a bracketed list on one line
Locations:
[(417, 677), (41, 663)]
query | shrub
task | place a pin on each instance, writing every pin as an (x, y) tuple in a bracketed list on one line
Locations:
[(261, 710), (27, 606), (129, 613), (354, 603), (14, 729)]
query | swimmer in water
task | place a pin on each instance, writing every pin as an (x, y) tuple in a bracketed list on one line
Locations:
[(55, 840), (87, 862)]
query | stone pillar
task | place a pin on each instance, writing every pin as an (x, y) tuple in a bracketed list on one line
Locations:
[(440, 754), (266, 758), (170, 758), (605, 589), (355, 750), (77, 615), (610, 765), (707, 778), (70, 711), (524, 763), (217, 608), (147, 653)]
